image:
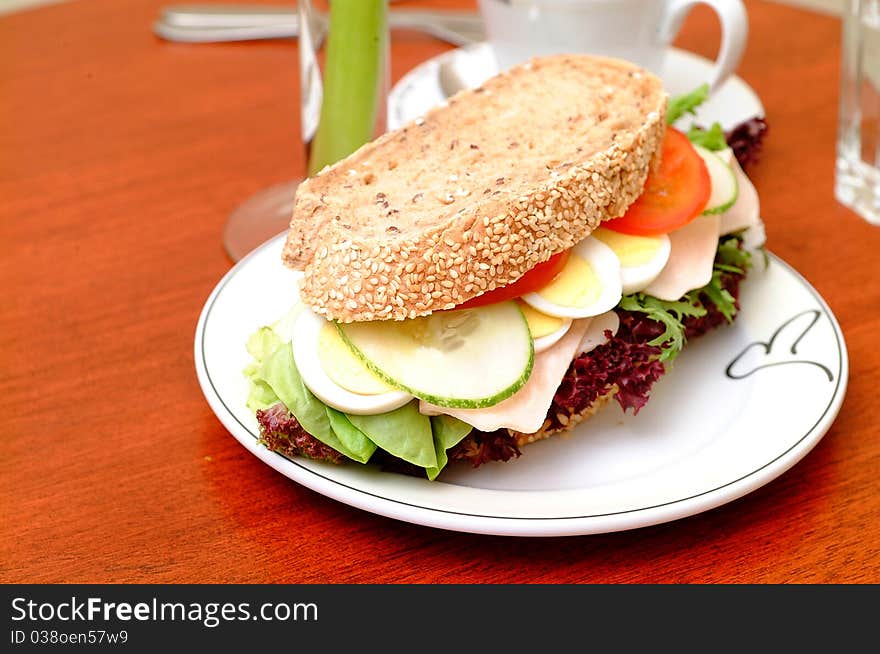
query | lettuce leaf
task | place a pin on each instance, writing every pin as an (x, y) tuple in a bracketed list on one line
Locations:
[(686, 104), (404, 432), (260, 345), (448, 432), (730, 258), (279, 371), (668, 314), (275, 378), (731, 255), (711, 139), (354, 439), (720, 296), (261, 395)]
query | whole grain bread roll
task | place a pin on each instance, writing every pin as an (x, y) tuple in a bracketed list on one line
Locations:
[(478, 191)]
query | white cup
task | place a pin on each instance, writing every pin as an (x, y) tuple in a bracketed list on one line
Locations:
[(637, 30)]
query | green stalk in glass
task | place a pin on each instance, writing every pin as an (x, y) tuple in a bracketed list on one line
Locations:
[(355, 78), (352, 112)]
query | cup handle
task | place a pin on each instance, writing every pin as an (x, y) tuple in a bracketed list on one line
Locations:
[(734, 32)]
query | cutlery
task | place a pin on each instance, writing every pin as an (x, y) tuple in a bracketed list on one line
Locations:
[(231, 22)]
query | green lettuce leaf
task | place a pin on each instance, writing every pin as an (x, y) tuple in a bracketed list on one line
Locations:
[(684, 104), (354, 439), (720, 297), (711, 139), (731, 255), (670, 315), (448, 432), (279, 371), (260, 395), (404, 432), (260, 345), (730, 258)]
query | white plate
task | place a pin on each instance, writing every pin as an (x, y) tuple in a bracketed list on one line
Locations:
[(420, 88), (740, 407)]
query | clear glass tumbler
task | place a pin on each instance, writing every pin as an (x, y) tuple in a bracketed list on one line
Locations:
[(857, 182)]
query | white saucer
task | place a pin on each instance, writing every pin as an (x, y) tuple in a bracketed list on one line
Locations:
[(420, 89)]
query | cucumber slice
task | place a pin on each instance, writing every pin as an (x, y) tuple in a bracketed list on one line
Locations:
[(724, 185), (469, 358)]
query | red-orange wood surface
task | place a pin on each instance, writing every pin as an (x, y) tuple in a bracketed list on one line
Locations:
[(121, 156)]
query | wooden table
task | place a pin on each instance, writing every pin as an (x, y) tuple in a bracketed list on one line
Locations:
[(121, 156)]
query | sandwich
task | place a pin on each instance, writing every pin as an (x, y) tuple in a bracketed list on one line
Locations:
[(495, 272)]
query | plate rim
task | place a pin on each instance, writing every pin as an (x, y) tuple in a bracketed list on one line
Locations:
[(556, 525)]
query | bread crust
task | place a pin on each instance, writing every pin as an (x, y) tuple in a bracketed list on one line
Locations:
[(372, 249), (569, 421)]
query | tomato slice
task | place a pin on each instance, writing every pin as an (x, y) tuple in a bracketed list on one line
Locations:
[(538, 277), (675, 193)]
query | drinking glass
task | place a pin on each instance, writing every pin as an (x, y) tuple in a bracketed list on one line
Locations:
[(857, 181), (344, 83)]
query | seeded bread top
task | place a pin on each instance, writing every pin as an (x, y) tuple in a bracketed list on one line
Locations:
[(477, 192)]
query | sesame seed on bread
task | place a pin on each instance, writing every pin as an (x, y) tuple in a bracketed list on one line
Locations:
[(478, 191)]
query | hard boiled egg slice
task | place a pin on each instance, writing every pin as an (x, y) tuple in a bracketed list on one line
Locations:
[(641, 257), (546, 330), (333, 372), (588, 285)]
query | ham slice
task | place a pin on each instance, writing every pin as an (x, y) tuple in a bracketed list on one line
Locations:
[(526, 410), (595, 335), (690, 261)]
